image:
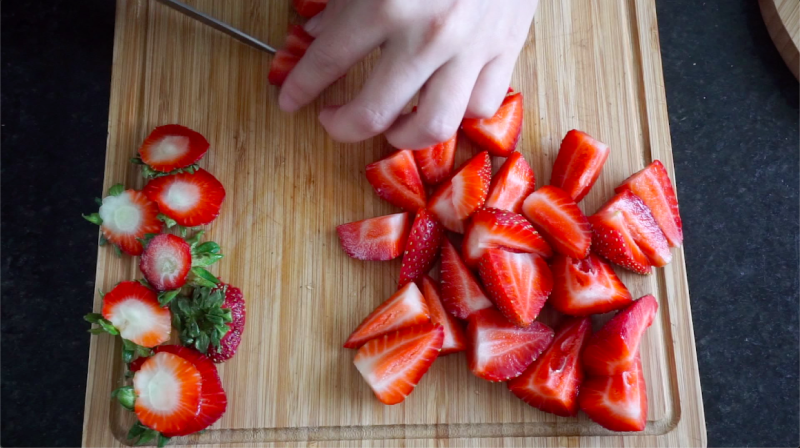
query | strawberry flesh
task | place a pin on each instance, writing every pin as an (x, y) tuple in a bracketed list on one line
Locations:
[(588, 286), (457, 199), (422, 247), (617, 402), (381, 238), (511, 185), (560, 221), (462, 295), (578, 164), (491, 228), (396, 180), (297, 42), (172, 147), (653, 187), (168, 390), (229, 344), (166, 261), (128, 217), (498, 135), (309, 8), (404, 308), (134, 311), (436, 162), (454, 338), (190, 199)]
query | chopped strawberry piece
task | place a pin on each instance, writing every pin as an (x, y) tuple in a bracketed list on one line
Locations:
[(436, 163), (511, 185), (518, 283), (309, 8), (499, 350), (166, 261), (617, 402), (405, 308), (171, 147), (297, 42), (560, 221), (588, 286), (454, 338), (381, 238), (422, 247), (457, 199), (654, 188), (125, 218), (394, 363), (551, 383), (462, 295), (498, 135), (133, 309), (491, 228), (396, 180), (168, 391), (578, 164), (190, 199)]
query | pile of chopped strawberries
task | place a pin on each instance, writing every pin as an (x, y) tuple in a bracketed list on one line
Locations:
[(175, 390)]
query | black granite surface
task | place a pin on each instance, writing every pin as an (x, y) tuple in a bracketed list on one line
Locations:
[(733, 110)]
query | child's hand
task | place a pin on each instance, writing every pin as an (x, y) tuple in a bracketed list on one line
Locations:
[(459, 54)]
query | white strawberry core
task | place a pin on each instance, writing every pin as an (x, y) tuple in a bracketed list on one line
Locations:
[(157, 385), (169, 148), (120, 214), (133, 318), (181, 196)]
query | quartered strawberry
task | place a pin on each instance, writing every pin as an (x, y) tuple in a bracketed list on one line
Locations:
[(133, 309), (454, 338), (462, 295), (394, 363), (381, 238), (491, 228), (518, 283), (168, 391), (499, 350), (617, 402), (166, 262), (654, 188), (404, 308), (551, 383), (588, 286), (125, 216), (499, 134), (190, 199), (578, 164), (297, 42), (511, 185), (172, 147), (457, 199), (422, 247), (436, 163), (309, 8), (396, 180), (560, 221), (614, 347)]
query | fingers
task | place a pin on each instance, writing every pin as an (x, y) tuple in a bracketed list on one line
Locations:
[(491, 87)]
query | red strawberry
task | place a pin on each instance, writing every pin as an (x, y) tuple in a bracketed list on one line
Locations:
[(614, 347), (454, 338), (133, 309), (491, 228), (499, 134), (396, 180), (560, 221), (168, 392), (654, 188), (465, 192), (436, 163), (617, 402), (394, 363), (551, 383), (381, 238), (172, 147), (234, 301), (578, 164), (124, 217), (309, 8), (511, 185), (517, 283), (190, 199), (422, 247), (297, 42), (166, 261), (404, 308), (588, 286), (461, 293), (499, 350)]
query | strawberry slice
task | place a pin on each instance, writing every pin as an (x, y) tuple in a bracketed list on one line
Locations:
[(190, 199), (436, 162), (381, 238), (465, 192), (168, 390), (454, 338), (309, 8), (588, 286), (560, 221), (578, 164), (518, 283), (166, 261), (491, 228), (654, 188), (499, 350), (126, 216), (133, 309), (614, 347), (617, 402), (462, 295), (498, 135), (551, 383), (511, 185), (171, 147), (404, 308), (297, 42), (394, 363), (422, 247), (396, 180)]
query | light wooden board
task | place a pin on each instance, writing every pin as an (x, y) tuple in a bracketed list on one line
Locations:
[(782, 18), (591, 65)]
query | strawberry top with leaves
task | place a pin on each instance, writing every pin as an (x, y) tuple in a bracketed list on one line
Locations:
[(498, 135), (126, 216), (229, 344), (465, 192), (203, 320), (191, 199), (172, 147), (511, 185), (653, 187), (578, 164)]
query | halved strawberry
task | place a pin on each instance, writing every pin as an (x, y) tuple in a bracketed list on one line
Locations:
[(168, 390), (551, 383), (454, 338), (614, 347), (457, 199), (617, 402), (436, 163), (172, 147), (381, 238), (396, 180), (498, 135), (404, 308), (578, 164), (124, 217), (422, 247), (511, 184), (518, 283), (491, 228), (588, 286), (133, 309), (499, 350), (462, 295), (654, 188), (166, 261), (309, 8), (190, 199), (297, 42), (394, 363), (560, 221)]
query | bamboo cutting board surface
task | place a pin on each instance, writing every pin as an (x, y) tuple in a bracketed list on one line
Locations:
[(592, 65)]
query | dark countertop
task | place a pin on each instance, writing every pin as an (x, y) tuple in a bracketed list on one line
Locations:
[(733, 109)]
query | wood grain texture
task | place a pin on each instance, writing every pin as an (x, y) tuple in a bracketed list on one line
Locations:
[(594, 65), (782, 18)]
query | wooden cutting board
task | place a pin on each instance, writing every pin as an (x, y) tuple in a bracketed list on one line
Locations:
[(591, 65)]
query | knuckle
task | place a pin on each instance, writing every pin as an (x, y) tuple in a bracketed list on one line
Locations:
[(325, 62), (439, 129), (370, 120)]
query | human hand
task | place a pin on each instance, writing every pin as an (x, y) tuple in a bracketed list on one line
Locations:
[(458, 54)]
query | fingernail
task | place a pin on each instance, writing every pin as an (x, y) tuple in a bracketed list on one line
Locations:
[(312, 26)]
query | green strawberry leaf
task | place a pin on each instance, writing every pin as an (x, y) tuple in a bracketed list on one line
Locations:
[(96, 330), (146, 437), (98, 201), (126, 396), (162, 440), (93, 318), (205, 260), (165, 297), (144, 282), (108, 327), (209, 247), (128, 356), (202, 343), (169, 222), (93, 218), (117, 251), (136, 430), (137, 160), (116, 190), (144, 352), (102, 241)]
